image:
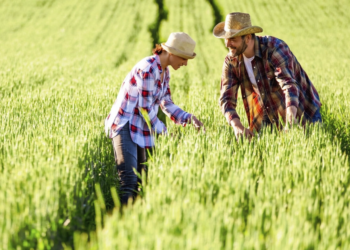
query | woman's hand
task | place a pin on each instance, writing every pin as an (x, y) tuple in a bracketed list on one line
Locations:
[(197, 123)]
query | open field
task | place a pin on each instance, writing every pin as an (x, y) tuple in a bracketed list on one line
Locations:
[(61, 66)]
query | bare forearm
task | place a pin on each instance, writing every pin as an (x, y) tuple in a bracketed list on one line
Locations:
[(291, 114), (236, 123)]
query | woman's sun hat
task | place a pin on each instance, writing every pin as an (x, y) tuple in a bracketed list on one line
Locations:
[(236, 24), (180, 44)]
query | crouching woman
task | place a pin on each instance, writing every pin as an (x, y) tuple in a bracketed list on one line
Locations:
[(144, 89)]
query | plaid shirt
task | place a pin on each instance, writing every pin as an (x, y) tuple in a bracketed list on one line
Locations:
[(142, 89), (281, 80)]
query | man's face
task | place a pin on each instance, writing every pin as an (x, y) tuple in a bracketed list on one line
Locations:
[(236, 45), (176, 61)]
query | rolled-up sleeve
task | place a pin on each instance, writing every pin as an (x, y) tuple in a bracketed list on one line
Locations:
[(284, 64), (228, 92)]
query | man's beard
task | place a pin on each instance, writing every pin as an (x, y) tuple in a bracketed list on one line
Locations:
[(240, 50)]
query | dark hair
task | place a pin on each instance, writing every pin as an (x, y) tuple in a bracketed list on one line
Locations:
[(253, 36), (158, 49)]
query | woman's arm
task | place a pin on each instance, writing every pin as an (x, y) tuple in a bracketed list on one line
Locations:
[(175, 113)]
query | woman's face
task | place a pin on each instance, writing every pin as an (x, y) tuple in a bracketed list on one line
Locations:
[(176, 61)]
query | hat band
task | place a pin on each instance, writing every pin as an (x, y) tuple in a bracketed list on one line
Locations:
[(233, 31)]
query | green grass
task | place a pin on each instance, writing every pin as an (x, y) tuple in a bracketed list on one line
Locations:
[(62, 64)]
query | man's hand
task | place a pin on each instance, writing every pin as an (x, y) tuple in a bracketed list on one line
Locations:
[(291, 115), (197, 123), (240, 130)]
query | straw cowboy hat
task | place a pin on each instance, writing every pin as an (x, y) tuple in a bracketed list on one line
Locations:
[(236, 24), (180, 44)]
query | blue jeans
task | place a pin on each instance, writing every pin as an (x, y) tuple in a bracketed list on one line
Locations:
[(317, 117), (129, 158)]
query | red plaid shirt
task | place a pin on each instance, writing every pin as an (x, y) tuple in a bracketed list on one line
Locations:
[(142, 89), (281, 80)]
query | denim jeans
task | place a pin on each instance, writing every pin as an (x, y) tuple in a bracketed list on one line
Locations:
[(129, 157), (316, 118)]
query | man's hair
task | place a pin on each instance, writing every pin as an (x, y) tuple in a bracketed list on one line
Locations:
[(158, 49), (253, 36)]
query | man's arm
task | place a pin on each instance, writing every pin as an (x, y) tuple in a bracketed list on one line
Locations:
[(283, 61), (228, 99)]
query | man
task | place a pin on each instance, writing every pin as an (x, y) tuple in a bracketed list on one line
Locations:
[(273, 84)]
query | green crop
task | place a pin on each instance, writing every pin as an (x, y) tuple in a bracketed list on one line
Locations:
[(62, 64)]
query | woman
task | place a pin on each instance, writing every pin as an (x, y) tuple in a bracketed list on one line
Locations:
[(144, 89)]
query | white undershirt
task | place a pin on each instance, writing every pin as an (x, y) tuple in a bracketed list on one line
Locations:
[(248, 65)]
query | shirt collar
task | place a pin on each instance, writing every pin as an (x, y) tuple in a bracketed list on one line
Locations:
[(257, 49)]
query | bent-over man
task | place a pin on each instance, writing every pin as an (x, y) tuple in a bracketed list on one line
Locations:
[(273, 83)]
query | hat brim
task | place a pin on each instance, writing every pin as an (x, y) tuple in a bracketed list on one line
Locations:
[(220, 32), (178, 52)]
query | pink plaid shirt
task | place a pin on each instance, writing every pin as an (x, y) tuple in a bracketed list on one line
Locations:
[(142, 89)]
